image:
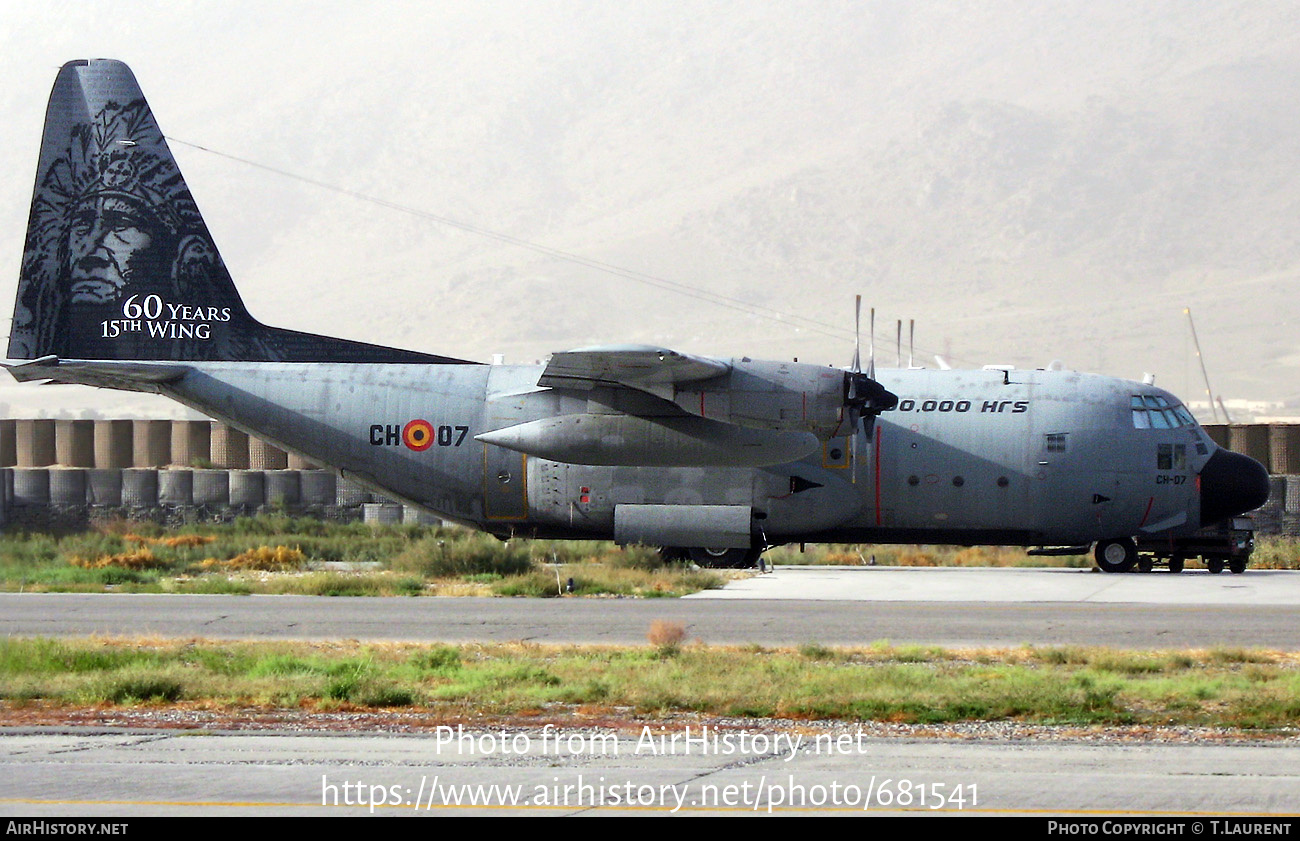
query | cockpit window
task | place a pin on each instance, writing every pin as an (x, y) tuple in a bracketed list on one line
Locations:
[(1151, 411), (1171, 457)]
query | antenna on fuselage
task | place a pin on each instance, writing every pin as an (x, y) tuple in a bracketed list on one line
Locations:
[(900, 343), (911, 343)]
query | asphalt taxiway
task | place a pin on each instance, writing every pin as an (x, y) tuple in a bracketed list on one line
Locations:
[(792, 606)]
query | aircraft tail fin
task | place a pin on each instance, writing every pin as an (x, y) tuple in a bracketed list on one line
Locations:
[(118, 263)]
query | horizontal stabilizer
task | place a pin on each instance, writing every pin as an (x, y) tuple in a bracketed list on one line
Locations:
[(128, 376)]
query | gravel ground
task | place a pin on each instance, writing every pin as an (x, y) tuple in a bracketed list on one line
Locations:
[(31, 717)]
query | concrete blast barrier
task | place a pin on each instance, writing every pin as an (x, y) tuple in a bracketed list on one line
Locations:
[(1291, 496), (317, 487), (264, 456), (176, 487), (191, 442), (34, 443), (8, 443), (211, 487), (418, 516), (381, 513), (349, 494), (74, 443), (104, 487), (247, 487), (1249, 439), (140, 488), (151, 443), (68, 486), (1284, 448), (229, 447), (113, 444), (283, 487), (31, 486)]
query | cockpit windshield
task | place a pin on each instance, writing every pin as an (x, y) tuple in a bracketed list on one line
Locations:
[(1153, 411)]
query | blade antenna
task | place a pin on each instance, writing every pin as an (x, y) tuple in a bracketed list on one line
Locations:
[(911, 342)]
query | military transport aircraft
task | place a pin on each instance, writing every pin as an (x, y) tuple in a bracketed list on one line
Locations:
[(716, 459)]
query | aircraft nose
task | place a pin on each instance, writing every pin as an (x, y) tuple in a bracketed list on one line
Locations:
[(1231, 484)]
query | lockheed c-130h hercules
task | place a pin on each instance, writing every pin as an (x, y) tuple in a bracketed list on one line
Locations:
[(716, 459)]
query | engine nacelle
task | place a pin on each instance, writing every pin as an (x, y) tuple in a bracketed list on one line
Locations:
[(785, 396)]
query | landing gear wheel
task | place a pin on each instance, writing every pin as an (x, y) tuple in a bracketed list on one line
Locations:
[(1214, 565), (1146, 563), (1116, 555), (724, 558), (673, 554), (1238, 566), (1176, 564)]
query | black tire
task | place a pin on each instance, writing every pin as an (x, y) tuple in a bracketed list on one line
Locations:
[(1214, 565), (724, 558), (1237, 565), (1176, 564), (673, 554), (1118, 555)]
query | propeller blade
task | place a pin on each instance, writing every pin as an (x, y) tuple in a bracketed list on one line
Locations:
[(871, 347), (857, 334)]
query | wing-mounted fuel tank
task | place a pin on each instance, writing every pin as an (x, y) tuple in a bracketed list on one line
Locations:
[(657, 407)]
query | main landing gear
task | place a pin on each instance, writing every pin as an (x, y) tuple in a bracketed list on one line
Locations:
[(714, 557)]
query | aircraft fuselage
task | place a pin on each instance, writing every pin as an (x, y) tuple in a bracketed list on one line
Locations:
[(1018, 457)]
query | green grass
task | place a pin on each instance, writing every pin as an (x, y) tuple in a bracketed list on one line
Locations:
[(277, 554), (1067, 686)]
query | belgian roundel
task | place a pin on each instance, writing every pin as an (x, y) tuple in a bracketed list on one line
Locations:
[(418, 435)]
